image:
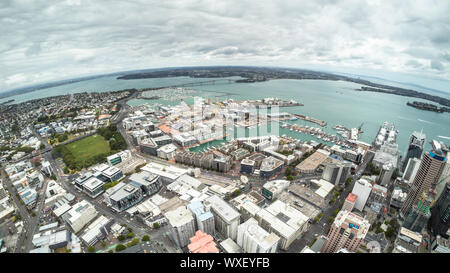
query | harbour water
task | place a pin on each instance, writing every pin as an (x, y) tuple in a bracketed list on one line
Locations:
[(335, 102)]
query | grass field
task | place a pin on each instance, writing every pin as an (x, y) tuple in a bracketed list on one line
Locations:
[(88, 147)]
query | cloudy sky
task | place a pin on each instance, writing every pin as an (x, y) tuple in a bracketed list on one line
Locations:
[(49, 40)]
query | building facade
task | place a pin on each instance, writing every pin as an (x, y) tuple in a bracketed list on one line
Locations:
[(415, 147), (428, 175), (347, 231)]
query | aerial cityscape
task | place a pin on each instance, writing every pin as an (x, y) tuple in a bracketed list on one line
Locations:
[(224, 158)]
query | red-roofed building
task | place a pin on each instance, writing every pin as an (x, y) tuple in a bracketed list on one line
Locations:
[(202, 243), (349, 202)]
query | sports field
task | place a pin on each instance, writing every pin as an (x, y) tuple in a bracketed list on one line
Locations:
[(88, 147)]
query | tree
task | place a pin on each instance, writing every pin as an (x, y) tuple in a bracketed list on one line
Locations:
[(349, 180), (379, 230), (138, 167), (288, 171), (335, 212), (121, 238), (330, 219), (134, 242), (289, 177), (91, 249), (120, 247), (52, 177), (155, 225), (130, 235), (390, 232), (145, 238)]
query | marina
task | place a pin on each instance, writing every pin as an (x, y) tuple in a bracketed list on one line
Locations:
[(318, 133)]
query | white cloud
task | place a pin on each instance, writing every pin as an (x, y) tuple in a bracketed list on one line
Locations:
[(51, 40)]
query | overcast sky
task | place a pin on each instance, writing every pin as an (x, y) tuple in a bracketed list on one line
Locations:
[(49, 40)]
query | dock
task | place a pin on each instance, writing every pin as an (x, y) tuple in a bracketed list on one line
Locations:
[(314, 120)]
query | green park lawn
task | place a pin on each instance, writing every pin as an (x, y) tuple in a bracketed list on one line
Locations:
[(88, 147)]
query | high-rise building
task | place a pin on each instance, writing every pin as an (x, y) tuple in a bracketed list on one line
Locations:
[(204, 219), (347, 231), (410, 171), (336, 173), (440, 214), (415, 147), (254, 239), (419, 214), (226, 218), (285, 221), (181, 225), (445, 177), (428, 175), (362, 189)]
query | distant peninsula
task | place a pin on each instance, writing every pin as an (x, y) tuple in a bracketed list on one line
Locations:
[(428, 107), (257, 74)]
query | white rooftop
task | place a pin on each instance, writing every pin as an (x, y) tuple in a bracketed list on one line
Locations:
[(179, 216), (222, 208)]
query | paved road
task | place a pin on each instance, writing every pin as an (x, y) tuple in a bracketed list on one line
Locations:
[(33, 225), (26, 218), (322, 226)]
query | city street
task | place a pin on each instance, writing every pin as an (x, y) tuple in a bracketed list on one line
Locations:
[(322, 226)]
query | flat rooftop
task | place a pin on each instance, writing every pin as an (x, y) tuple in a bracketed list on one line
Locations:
[(222, 208), (179, 216), (313, 161), (93, 183), (351, 197)]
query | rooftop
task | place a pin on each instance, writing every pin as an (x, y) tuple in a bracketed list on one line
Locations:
[(179, 216), (230, 246), (351, 197), (222, 208), (313, 161), (202, 243)]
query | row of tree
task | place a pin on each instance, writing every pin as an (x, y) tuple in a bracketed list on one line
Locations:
[(115, 138)]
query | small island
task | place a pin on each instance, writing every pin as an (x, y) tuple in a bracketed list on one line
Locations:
[(428, 107)]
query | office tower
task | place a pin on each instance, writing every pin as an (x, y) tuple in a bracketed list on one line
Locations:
[(419, 214), (445, 177), (204, 219), (347, 231), (254, 239), (415, 147), (181, 225), (226, 218), (411, 169), (336, 173), (362, 189), (427, 176), (285, 221), (440, 214)]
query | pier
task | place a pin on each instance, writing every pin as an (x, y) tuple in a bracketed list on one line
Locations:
[(316, 121)]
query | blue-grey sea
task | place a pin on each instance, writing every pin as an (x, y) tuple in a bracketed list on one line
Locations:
[(335, 102)]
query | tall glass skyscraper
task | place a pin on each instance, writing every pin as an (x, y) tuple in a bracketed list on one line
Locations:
[(415, 147), (440, 214), (430, 170)]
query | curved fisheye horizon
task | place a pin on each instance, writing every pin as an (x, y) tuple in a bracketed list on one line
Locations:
[(345, 34)]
